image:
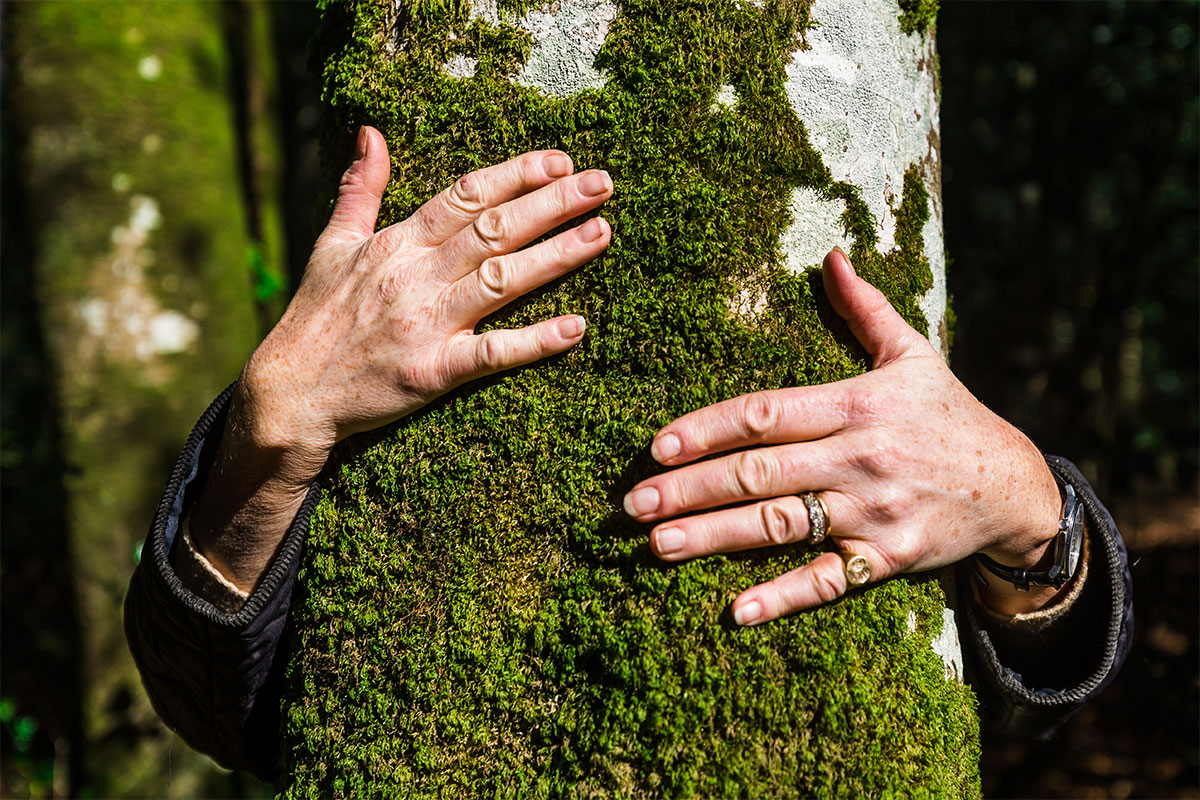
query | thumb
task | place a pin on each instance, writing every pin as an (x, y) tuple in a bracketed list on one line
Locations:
[(360, 190), (872, 319)]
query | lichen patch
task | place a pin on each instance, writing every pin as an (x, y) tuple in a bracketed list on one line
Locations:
[(565, 44), (816, 227), (869, 110)]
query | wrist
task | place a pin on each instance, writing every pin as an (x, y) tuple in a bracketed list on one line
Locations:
[(1029, 543), (270, 425)]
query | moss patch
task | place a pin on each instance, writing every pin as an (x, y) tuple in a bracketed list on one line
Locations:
[(918, 16), (476, 615)]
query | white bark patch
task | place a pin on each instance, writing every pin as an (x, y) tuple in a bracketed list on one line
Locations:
[(727, 97), (122, 318), (816, 227), (461, 66), (565, 44), (748, 304), (946, 645), (566, 39), (865, 92)]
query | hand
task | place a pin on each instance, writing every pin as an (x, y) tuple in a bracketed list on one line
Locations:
[(916, 473), (383, 323)]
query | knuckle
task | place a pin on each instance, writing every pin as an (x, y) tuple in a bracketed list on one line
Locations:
[(529, 167), (466, 194), (494, 276), (351, 182), (754, 472), (903, 551), (825, 585), (491, 228), (390, 287), (493, 351), (565, 195), (759, 414), (878, 460), (780, 523), (860, 407)]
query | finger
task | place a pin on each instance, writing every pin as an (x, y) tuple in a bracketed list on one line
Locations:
[(360, 190), (874, 322), (749, 475), (502, 279), (502, 229), (459, 204), (476, 356), (776, 416), (818, 582), (780, 520)]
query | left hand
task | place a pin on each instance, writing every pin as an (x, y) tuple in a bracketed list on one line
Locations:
[(916, 473)]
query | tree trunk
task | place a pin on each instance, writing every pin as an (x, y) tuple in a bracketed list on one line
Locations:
[(132, 241), (477, 616)]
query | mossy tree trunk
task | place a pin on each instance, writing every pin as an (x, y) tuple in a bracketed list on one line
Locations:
[(476, 616)]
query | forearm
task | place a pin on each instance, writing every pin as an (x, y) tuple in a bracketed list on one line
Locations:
[(259, 479)]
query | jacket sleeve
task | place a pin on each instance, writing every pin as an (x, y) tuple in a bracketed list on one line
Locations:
[(1031, 675), (212, 677)]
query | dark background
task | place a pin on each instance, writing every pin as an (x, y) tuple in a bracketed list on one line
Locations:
[(1069, 136), (1070, 153)]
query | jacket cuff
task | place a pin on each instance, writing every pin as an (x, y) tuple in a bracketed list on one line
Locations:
[(211, 675), (193, 463), (1030, 681)]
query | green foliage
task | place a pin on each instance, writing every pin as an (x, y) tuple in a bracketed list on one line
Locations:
[(918, 16), (476, 616)]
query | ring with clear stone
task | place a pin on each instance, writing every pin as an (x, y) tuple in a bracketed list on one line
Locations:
[(818, 516)]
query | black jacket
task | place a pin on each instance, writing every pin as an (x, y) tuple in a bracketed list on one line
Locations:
[(215, 678)]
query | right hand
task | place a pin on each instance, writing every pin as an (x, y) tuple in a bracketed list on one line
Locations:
[(382, 324)]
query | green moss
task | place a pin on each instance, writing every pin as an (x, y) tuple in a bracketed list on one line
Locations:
[(918, 16), (476, 615)]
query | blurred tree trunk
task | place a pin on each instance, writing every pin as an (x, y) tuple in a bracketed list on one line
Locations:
[(136, 245), (477, 617)]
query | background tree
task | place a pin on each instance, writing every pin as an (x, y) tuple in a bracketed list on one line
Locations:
[(476, 614)]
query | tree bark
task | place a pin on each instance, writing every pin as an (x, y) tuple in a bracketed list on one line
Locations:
[(476, 615)]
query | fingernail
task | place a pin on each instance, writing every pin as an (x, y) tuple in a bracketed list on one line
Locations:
[(665, 447), (747, 613), (591, 230), (594, 183), (571, 327), (845, 257), (669, 540), (557, 165), (642, 501), (361, 144)]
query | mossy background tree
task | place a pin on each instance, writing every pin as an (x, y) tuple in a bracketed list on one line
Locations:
[(476, 615)]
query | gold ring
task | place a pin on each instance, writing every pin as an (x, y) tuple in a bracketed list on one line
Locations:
[(858, 569), (818, 516)]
